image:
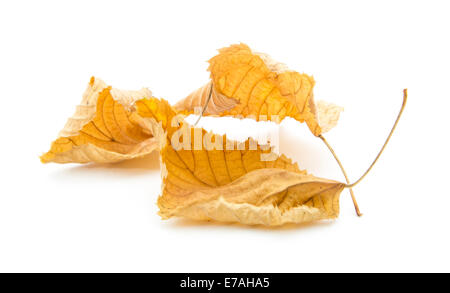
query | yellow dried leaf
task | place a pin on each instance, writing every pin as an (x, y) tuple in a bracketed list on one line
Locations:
[(265, 196), (102, 129), (208, 177), (250, 84)]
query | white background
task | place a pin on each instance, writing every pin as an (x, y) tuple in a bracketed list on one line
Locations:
[(103, 218)]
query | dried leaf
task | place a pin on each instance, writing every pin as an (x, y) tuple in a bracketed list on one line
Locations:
[(265, 196), (208, 177), (239, 186), (249, 84), (102, 129)]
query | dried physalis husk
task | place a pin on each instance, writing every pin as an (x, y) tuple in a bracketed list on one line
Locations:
[(103, 128), (208, 177), (253, 85)]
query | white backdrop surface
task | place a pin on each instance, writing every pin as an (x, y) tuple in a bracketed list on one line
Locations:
[(103, 218)]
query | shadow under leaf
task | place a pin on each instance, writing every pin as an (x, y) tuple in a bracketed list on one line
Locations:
[(183, 223), (143, 165)]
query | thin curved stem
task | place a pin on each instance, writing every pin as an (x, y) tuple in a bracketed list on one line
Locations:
[(355, 203), (205, 106), (405, 98)]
